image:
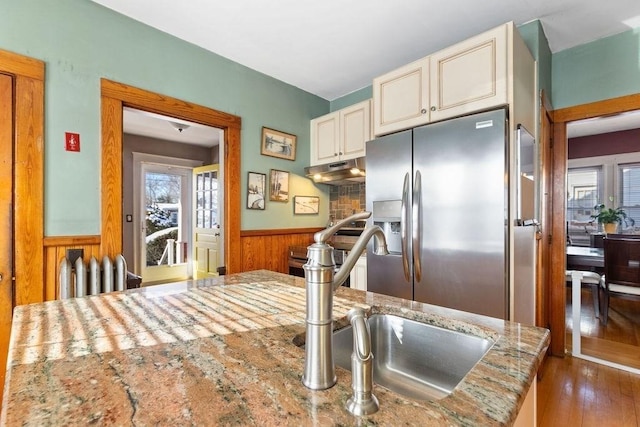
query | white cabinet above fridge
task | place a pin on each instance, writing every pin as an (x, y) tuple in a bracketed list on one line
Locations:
[(491, 69)]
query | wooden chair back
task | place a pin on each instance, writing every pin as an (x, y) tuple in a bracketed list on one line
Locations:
[(622, 259)]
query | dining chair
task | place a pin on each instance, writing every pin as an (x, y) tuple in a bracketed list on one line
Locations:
[(621, 269)]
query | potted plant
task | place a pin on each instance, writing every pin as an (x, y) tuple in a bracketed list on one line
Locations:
[(611, 217)]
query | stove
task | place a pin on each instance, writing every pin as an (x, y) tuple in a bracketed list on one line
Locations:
[(342, 243)]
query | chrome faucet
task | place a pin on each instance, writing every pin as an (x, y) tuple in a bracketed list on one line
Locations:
[(321, 282)]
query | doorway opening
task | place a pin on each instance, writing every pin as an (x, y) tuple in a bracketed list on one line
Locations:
[(603, 167), (115, 96), (160, 155)]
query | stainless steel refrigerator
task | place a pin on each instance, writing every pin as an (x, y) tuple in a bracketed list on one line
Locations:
[(440, 193)]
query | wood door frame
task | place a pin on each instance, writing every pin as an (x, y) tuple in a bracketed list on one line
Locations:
[(28, 175), (558, 266), (545, 212), (115, 96), (26, 277)]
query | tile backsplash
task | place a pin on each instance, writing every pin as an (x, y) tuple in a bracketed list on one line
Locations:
[(345, 200)]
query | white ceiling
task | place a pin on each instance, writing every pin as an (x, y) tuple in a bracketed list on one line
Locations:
[(333, 47), (605, 124), (156, 126)]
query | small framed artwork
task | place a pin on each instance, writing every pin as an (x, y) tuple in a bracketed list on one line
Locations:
[(306, 205), (279, 184), (278, 144), (256, 189)]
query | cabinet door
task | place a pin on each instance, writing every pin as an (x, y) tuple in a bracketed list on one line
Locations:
[(470, 76), (325, 133), (358, 276), (401, 98), (355, 130)]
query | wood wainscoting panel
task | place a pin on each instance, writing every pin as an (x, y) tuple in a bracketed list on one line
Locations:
[(268, 249), (261, 249), (55, 249)]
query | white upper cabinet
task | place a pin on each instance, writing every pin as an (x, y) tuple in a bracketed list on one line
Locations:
[(470, 76), (325, 133), (473, 75), (401, 98), (341, 135)]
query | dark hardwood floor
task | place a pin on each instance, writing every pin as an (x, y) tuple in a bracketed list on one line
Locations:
[(576, 392)]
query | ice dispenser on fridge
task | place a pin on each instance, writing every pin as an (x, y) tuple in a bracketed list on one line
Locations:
[(387, 214)]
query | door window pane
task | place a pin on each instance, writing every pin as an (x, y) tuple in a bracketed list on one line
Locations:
[(207, 199), (584, 191), (163, 213)]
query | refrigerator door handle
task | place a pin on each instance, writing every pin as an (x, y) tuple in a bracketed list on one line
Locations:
[(404, 221), (416, 226)]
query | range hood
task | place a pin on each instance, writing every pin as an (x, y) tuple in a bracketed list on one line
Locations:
[(338, 173)]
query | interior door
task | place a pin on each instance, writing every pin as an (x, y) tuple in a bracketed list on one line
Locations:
[(206, 230), (6, 226)]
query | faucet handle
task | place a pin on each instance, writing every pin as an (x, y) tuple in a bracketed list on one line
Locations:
[(324, 235)]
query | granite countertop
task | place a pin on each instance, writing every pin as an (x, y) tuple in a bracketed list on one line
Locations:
[(221, 351)]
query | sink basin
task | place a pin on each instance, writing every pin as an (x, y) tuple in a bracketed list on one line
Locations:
[(417, 360)]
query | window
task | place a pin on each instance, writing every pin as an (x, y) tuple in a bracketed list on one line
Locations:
[(629, 190), (584, 191), (207, 199)]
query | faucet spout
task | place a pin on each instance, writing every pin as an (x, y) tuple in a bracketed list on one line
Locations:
[(380, 248), (320, 285)]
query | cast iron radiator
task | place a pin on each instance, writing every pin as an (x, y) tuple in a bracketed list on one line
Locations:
[(82, 279)]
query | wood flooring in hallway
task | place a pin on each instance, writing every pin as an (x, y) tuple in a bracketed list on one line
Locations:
[(574, 392)]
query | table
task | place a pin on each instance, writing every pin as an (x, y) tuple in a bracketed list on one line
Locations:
[(583, 258)]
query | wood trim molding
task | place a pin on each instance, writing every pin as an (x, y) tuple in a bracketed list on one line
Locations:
[(557, 244), (114, 96), (278, 232), (70, 241), (18, 65), (28, 207), (558, 175), (595, 109)]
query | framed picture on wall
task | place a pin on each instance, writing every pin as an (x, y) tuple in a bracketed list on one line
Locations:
[(256, 189), (306, 205), (278, 144), (279, 184)]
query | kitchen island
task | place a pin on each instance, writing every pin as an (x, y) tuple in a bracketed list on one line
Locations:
[(226, 351)]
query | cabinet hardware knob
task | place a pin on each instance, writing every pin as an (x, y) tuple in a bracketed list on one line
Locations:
[(335, 154), (341, 153), (424, 111), (433, 108)]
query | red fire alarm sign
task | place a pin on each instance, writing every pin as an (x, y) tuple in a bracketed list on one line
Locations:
[(72, 141)]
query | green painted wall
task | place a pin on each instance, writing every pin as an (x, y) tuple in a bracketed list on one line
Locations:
[(603, 69), (533, 35), (352, 98), (80, 42)]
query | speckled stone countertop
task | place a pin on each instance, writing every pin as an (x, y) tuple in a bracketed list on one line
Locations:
[(221, 352)]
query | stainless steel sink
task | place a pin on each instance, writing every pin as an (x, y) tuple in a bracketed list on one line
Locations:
[(417, 360)]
